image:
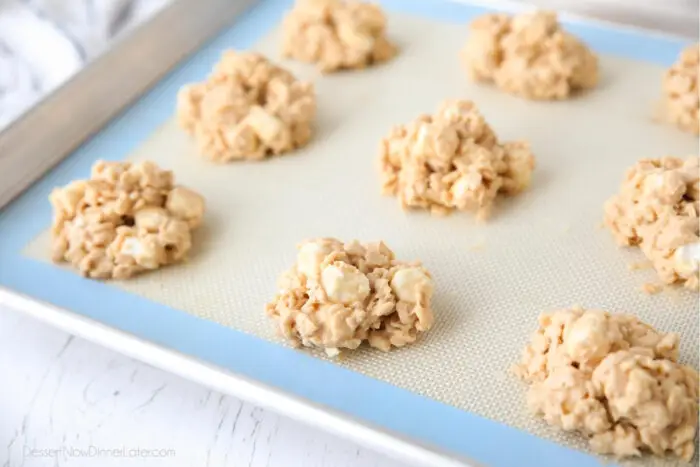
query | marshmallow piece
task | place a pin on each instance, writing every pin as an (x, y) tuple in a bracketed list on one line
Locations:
[(361, 41), (408, 284), (187, 205), (587, 338), (309, 258), (266, 126), (687, 258), (424, 143), (151, 219), (669, 186), (466, 184), (144, 253), (132, 247), (344, 283)]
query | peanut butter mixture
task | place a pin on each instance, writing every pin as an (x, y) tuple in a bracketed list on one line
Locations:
[(127, 218), (452, 161), (338, 295), (248, 108), (682, 91), (336, 34), (613, 379), (529, 55), (657, 210)]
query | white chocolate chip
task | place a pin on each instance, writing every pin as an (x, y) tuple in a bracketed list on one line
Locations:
[(344, 283), (408, 284)]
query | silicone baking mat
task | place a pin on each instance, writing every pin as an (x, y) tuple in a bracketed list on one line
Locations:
[(542, 250)]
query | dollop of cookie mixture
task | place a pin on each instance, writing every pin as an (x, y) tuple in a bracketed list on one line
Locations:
[(248, 108), (336, 34), (339, 295), (126, 219), (615, 380), (657, 210), (452, 160), (529, 55), (681, 90)]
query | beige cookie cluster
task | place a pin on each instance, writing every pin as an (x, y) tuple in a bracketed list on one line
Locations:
[(657, 210), (248, 108), (529, 55), (452, 161), (127, 218), (681, 87), (614, 379), (341, 294), (336, 34)]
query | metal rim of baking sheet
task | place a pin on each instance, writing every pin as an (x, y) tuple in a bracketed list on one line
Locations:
[(135, 64)]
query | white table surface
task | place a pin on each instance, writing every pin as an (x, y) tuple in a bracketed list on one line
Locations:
[(67, 402), (70, 403)]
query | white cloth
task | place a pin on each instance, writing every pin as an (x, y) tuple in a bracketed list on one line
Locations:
[(44, 42)]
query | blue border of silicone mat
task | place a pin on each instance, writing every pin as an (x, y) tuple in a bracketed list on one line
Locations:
[(420, 418)]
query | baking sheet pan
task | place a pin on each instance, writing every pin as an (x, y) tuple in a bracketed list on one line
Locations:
[(542, 250)]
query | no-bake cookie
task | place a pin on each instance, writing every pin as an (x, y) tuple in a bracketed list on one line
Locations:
[(657, 210), (336, 34), (682, 91), (452, 160), (339, 295), (127, 218), (248, 108), (528, 55), (613, 379)]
